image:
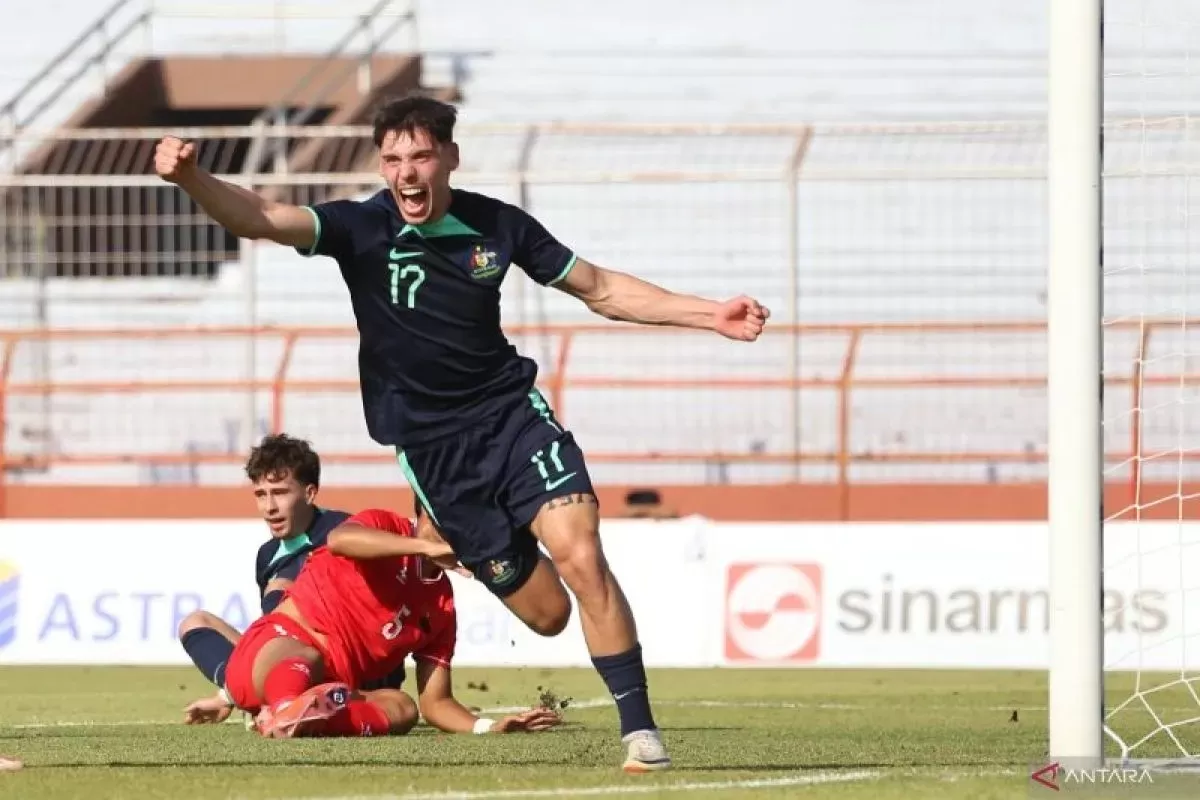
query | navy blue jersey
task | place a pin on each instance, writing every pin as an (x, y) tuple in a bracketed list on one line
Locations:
[(283, 558), (432, 357)]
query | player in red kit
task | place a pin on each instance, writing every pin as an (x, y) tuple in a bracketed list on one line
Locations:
[(376, 593)]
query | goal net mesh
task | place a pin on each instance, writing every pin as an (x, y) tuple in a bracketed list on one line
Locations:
[(1151, 215)]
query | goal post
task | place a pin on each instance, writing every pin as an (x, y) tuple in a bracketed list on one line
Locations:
[(1075, 385)]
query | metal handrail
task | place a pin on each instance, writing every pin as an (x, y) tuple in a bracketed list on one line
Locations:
[(50, 99), (18, 122), (278, 114), (331, 85), (336, 51), (96, 26), (557, 380)]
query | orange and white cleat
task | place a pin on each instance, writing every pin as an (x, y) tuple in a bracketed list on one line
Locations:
[(645, 752), (304, 715)]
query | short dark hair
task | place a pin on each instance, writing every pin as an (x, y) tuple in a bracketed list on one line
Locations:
[(413, 113), (280, 454)]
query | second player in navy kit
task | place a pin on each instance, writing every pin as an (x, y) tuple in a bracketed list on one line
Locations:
[(285, 476), (479, 445)]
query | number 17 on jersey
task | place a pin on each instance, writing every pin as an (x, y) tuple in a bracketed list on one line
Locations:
[(411, 274)]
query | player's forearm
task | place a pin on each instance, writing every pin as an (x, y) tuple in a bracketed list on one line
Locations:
[(449, 715), (628, 299), (240, 211), (364, 544)]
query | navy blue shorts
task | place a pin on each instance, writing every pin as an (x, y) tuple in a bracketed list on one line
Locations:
[(483, 486), (394, 680)]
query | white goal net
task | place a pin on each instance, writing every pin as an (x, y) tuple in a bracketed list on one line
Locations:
[(1151, 416)]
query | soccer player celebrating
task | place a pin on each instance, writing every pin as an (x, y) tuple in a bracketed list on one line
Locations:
[(373, 595), (478, 443), (285, 474)]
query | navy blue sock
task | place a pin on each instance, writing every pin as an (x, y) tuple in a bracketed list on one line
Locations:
[(625, 676), (209, 651), (271, 600)]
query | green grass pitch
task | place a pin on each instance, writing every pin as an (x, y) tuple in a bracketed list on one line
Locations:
[(116, 732)]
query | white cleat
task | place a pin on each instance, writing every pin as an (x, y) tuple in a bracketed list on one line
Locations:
[(645, 753)]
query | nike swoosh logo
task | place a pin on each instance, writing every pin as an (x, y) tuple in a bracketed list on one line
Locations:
[(396, 255), (552, 485)]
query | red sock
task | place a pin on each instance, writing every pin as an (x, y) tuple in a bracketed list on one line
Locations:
[(358, 718), (290, 678)]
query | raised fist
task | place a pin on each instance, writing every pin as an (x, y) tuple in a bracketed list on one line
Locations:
[(741, 318), (174, 159)]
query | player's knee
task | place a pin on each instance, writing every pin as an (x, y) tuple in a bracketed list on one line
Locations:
[(283, 649), (403, 716), (400, 709), (195, 621), (582, 565), (552, 619), (540, 600)]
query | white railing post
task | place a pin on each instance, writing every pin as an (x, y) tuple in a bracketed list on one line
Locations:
[(792, 175)]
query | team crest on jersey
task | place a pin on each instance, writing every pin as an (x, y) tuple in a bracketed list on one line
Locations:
[(501, 571), (483, 263)]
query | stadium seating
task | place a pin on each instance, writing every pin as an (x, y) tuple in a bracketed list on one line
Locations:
[(910, 244), (785, 61)]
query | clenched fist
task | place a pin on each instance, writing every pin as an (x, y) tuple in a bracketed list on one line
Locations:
[(741, 318), (174, 159)]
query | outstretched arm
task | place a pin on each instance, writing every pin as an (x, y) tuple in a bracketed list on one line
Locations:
[(440, 709), (620, 296), (240, 211), (438, 705), (363, 543), (374, 533)]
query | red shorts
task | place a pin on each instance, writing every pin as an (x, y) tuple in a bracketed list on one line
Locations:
[(239, 672)]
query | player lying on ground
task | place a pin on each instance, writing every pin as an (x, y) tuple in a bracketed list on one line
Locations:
[(478, 443), (373, 595), (285, 474)]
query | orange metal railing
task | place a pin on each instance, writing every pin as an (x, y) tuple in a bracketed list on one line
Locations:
[(559, 379)]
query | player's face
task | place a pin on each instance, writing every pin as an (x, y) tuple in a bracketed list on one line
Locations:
[(284, 503), (417, 170)]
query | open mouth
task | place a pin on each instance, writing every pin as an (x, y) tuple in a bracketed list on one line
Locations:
[(414, 202)]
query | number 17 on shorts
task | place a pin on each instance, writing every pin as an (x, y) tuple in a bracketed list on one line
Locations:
[(553, 470), (555, 475)]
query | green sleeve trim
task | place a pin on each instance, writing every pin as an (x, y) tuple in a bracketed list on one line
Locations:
[(566, 269), (411, 476), (291, 546), (312, 251)]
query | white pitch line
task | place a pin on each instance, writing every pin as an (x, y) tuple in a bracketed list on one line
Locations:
[(603, 702), (596, 702), (956, 775), (88, 723), (814, 779)]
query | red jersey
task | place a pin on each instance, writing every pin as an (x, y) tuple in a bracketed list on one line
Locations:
[(375, 612)]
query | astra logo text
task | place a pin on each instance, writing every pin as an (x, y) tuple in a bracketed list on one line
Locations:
[(131, 616)]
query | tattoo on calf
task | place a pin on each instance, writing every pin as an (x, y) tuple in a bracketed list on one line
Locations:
[(571, 500)]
